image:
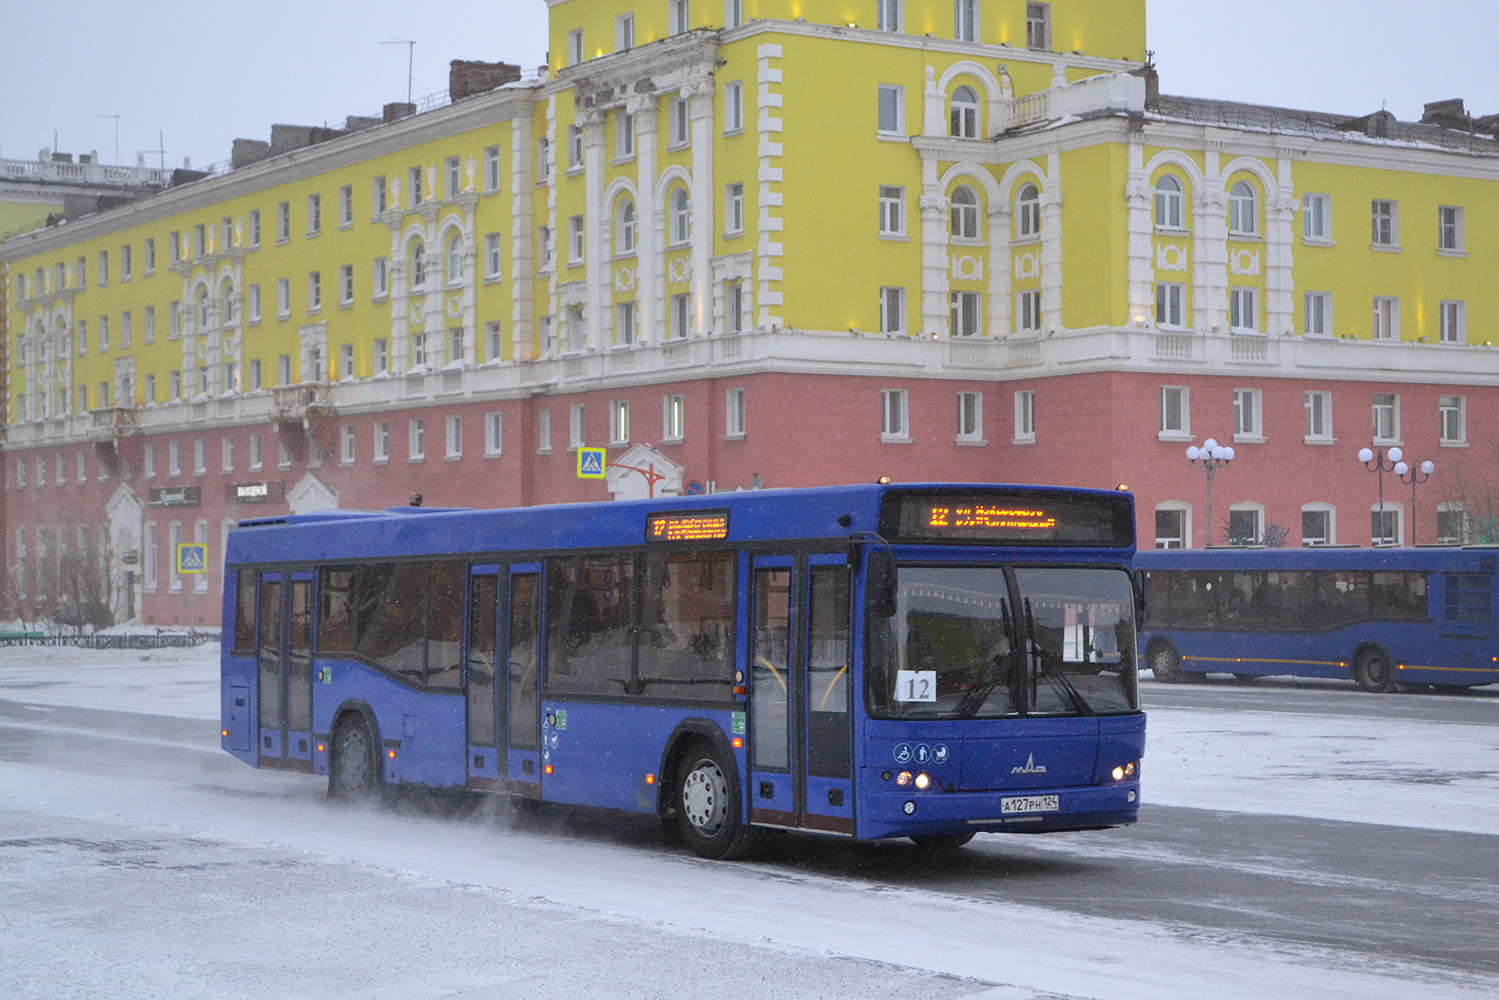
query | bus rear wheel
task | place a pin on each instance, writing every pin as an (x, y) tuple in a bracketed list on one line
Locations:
[(1372, 671), (353, 772), (707, 806), (1165, 663), (942, 841)]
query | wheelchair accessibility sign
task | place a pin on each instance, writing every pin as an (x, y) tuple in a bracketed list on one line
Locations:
[(591, 463), (192, 557)]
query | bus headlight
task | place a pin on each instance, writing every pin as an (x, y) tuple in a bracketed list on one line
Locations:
[(1124, 771), (923, 780), (903, 778)]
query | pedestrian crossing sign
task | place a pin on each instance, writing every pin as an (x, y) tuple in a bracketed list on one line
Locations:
[(192, 557), (591, 463)]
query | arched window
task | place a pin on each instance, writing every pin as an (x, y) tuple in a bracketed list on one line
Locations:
[(625, 236), (455, 259), (681, 216), (1028, 211), (1168, 203), (964, 123), (964, 213), (418, 265), (202, 309), (1243, 213), (226, 296)]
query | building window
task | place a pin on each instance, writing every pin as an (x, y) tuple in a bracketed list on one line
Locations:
[(893, 415), (966, 20), (1386, 417), (1028, 212), (1385, 218), (1246, 524), (575, 46), (494, 341), (888, 15), (346, 444), (681, 217), (734, 209), (1317, 525), (543, 160), (1452, 524), (1169, 203), (1168, 305), (414, 192), (733, 106), (454, 436), (1038, 25), (1316, 218), (453, 182), (1318, 416), (283, 369), (544, 431), (677, 122), (892, 310), (492, 169), (416, 439), (1247, 414), (624, 323), (1243, 310), (493, 255), (575, 240), (624, 136), (624, 228), (455, 260), (676, 17), (734, 302), (970, 416), (964, 314), (673, 417), (314, 291), (1318, 319), (419, 349), (734, 413), (346, 284), (1451, 413), (149, 246), (283, 302), (963, 214), (346, 206), (252, 310), (963, 119), (1450, 229), (380, 195), (380, 280), (619, 421), (574, 331), (103, 269), (733, 13), (1454, 320), (575, 426), (1028, 311), (493, 434), (1243, 210), (380, 356), (892, 211), (1025, 416), (1175, 411), (380, 449), (892, 109), (1385, 523), (624, 32), (1386, 317), (314, 214), (1171, 525), (681, 316)]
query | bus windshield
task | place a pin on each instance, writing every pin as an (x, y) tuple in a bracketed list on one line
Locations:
[(992, 641)]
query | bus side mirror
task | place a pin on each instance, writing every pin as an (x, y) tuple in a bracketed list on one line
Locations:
[(880, 584)]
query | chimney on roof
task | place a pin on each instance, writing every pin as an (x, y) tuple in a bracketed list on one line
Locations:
[(1447, 114), (397, 111), (469, 77), (248, 151)]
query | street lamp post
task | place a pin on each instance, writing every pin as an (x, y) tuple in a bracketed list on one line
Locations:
[(1379, 461), (1415, 476), (1211, 457)]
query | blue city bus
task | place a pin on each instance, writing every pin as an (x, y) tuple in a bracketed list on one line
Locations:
[(1387, 618), (876, 661)]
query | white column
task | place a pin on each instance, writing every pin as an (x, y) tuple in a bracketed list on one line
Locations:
[(1280, 281), (699, 96), (1051, 246), (522, 246), (1139, 238), (770, 250), (1001, 264), (1210, 249), (935, 257), (596, 269), (648, 287)]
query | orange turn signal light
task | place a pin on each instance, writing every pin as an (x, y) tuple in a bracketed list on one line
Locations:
[(650, 779), (549, 769)]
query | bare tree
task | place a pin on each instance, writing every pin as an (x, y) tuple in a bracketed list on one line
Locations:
[(1470, 483), (86, 592)]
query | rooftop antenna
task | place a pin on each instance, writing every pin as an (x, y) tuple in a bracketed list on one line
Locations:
[(117, 135), (161, 149), (410, 56)]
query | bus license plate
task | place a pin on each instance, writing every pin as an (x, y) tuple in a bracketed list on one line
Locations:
[(1030, 804)]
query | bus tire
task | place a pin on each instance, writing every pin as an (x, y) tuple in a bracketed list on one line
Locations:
[(354, 766), (1165, 663), (707, 805), (1246, 678), (942, 841), (1373, 671)]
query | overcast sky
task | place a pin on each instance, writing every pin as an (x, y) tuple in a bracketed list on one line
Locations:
[(201, 74)]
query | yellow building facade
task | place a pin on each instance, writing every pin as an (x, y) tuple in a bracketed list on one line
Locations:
[(867, 218)]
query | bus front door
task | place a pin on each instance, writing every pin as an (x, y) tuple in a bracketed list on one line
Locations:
[(801, 756), (503, 656), (284, 656)]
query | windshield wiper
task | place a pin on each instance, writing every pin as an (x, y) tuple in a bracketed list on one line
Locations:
[(1040, 665), (996, 672)]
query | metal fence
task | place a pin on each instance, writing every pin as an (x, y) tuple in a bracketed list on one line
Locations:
[(162, 640)]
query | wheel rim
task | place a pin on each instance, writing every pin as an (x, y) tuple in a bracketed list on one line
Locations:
[(705, 798), (353, 760), (1377, 669), (1163, 665)]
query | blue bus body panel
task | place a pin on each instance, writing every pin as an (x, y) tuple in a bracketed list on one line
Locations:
[(428, 728)]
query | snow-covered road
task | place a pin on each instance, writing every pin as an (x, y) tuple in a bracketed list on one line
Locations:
[(138, 860)]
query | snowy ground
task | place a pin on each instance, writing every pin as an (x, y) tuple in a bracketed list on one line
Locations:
[(203, 877)]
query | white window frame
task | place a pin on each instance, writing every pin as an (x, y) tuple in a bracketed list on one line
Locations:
[(890, 15), (314, 214), (895, 417), (892, 310), (1452, 420), (970, 418), (1330, 536), (673, 417), (965, 314), (733, 107), (1243, 209), (963, 115), (346, 206), (380, 278), (1453, 319), (892, 210), (1244, 309), (1249, 507), (1386, 417), (1249, 424), (733, 13), (346, 284), (1184, 540), (624, 323), (346, 435), (494, 433), (575, 54), (1170, 311), (1038, 26), (493, 166), (544, 431), (963, 214), (1394, 513), (1028, 212), (1317, 405), (453, 436), (890, 110), (1386, 318), (619, 422), (1316, 218), (1317, 314), (494, 256), (966, 20), (734, 209), (416, 439), (680, 316), (1176, 398), (1170, 203), (624, 31), (1384, 224), (1028, 310), (624, 136), (734, 414), (575, 240), (1025, 416), (678, 17), (380, 442), (1451, 238), (1464, 535), (678, 123), (681, 218), (576, 426)]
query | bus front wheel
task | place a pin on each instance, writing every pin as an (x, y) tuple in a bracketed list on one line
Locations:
[(707, 806), (1165, 664), (1372, 671), (353, 773)]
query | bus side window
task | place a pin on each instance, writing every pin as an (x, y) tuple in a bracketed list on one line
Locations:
[(244, 610), (686, 634), (445, 626)]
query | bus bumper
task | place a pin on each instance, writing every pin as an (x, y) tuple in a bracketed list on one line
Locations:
[(903, 812)]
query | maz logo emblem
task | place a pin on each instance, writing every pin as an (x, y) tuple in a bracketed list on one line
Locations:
[(1030, 766)]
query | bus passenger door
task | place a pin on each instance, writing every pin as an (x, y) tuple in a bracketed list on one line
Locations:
[(522, 644), (800, 736), (482, 680), (283, 651)]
